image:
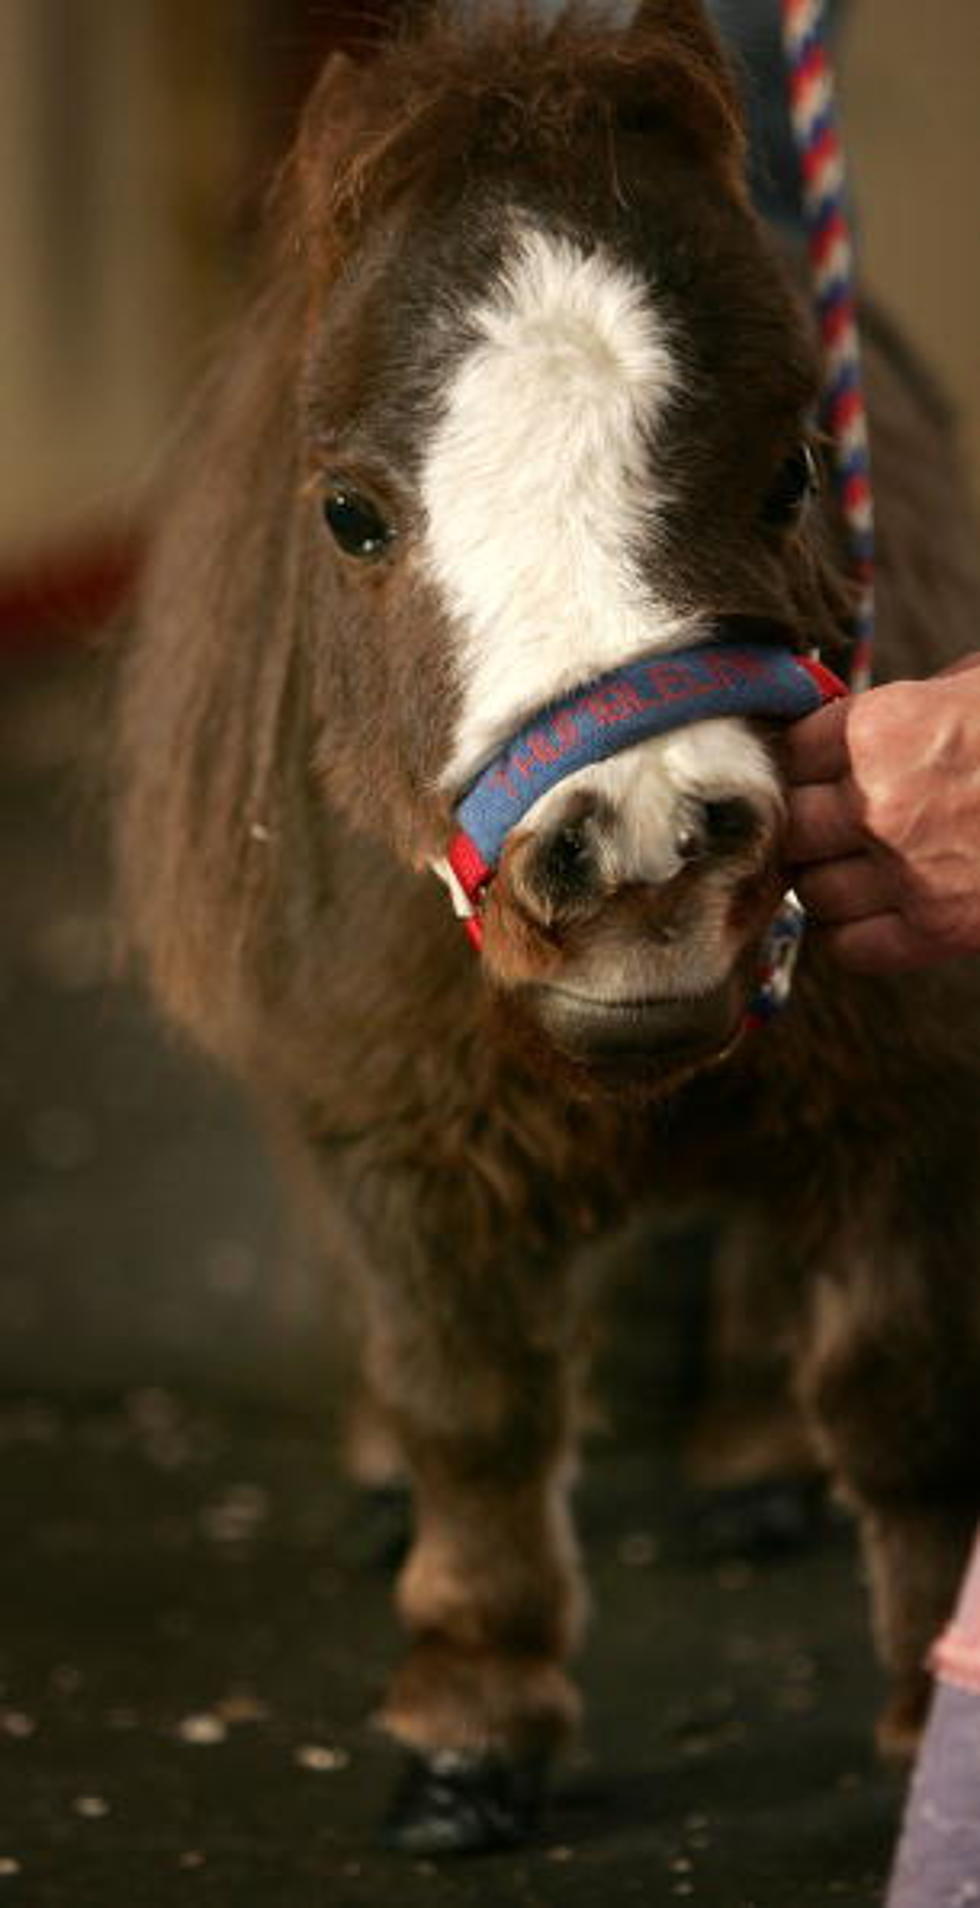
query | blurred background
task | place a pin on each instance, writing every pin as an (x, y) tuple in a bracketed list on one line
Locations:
[(140, 1238), (134, 135), (140, 1234)]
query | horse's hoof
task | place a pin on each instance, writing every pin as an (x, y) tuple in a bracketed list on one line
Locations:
[(454, 1803)]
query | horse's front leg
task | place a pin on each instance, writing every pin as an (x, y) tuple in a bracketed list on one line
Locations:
[(471, 1355), (491, 1599)]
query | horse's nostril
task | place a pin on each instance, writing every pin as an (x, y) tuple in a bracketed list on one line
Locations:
[(719, 827), (568, 860), (562, 873), (731, 824)]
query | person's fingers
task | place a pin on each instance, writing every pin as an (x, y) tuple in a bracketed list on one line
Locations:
[(821, 822), (815, 748), (845, 890), (880, 944), (883, 809)]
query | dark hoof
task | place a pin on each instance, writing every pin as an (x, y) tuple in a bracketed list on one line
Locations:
[(772, 1519), (458, 1804)]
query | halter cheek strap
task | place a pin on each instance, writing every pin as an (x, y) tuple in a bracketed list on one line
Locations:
[(651, 696)]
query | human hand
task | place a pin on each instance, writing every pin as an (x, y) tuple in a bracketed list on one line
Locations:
[(884, 821)]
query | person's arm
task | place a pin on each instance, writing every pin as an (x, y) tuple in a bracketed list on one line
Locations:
[(884, 820)]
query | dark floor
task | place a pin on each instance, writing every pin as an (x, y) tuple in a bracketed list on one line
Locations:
[(193, 1610)]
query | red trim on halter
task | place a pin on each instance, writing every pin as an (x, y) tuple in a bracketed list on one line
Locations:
[(469, 867), (830, 685), (474, 877)]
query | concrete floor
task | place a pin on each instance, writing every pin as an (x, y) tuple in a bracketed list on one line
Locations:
[(194, 1623)]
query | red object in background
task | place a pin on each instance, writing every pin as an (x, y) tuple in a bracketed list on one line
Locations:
[(68, 593)]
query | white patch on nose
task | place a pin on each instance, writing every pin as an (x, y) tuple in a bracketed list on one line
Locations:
[(538, 487), (649, 790)]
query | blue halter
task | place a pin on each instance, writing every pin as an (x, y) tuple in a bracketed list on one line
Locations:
[(647, 697)]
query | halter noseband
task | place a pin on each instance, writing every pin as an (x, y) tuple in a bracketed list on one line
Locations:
[(750, 673)]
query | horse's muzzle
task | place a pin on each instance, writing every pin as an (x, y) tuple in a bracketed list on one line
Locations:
[(642, 1037)]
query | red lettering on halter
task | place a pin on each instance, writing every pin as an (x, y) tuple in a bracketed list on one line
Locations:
[(499, 778), (615, 703), (664, 679), (542, 747), (676, 680), (550, 744), (730, 671)]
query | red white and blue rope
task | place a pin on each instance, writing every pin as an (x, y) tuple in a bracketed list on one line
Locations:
[(813, 110)]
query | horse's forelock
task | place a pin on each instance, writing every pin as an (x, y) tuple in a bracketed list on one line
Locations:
[(446, 90)]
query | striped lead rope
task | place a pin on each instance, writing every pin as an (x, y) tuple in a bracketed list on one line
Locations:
[(813, 109)]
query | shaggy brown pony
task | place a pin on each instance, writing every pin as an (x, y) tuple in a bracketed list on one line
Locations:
[(526, 390)]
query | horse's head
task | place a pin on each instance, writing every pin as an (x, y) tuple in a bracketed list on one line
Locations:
[(559, 400)]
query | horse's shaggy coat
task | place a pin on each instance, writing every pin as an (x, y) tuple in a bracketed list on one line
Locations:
[(515, 299)]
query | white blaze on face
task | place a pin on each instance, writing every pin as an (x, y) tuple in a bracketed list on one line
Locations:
[(540, 491)]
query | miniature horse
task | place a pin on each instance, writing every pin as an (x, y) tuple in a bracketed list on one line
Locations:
[(526, 392)]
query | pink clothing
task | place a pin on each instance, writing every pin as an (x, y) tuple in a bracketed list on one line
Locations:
[(938, 1860), (955, 1657)]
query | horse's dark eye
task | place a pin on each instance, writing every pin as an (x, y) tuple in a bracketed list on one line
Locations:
[(796, 480), (355, 523)]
